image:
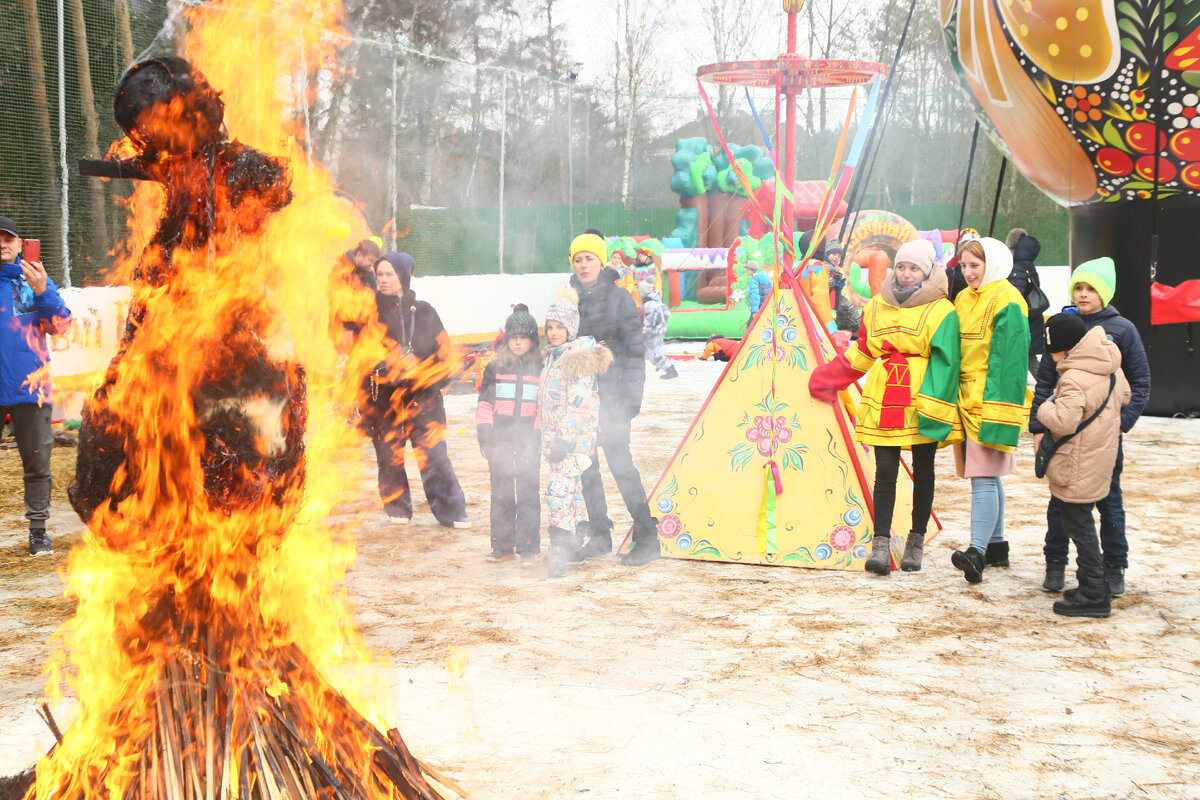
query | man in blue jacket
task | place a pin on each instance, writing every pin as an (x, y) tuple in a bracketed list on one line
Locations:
[(1092, 286), (30, 308)]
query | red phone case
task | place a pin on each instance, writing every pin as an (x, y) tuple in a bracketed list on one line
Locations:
[(32, 250)]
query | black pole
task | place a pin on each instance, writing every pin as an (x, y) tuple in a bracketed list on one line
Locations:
[(962, 210), (996, 201)]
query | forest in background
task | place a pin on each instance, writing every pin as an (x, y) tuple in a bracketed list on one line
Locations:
[(455, 123)]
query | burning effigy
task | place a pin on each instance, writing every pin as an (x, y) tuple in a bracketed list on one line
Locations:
[(210, 654)]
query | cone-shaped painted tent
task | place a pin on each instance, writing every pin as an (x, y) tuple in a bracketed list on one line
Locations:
[(716, 500)]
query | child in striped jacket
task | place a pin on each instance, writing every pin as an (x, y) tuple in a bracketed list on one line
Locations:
[(509, 438)]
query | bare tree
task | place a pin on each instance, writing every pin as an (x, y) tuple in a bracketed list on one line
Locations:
[(735, 33), (91, 119), (635, 70), (41, 107), (833, 26)]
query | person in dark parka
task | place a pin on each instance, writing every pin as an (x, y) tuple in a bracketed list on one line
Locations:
[(404, 403), (608, 314), (1025, 249)]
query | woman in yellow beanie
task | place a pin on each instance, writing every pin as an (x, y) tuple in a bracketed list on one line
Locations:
[(608, 314)]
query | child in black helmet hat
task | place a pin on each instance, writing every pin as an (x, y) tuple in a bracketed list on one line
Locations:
[(505, 421)]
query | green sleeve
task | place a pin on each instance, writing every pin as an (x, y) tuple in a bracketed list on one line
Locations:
[(1004, 409), (937, 401)]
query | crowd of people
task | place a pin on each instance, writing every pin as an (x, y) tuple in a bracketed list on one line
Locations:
[(945, 353)]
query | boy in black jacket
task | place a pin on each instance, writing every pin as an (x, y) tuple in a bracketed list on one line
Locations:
[(1092, 286)]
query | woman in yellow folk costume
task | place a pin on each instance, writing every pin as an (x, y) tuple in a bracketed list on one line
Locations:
[(994, 323), (909, 341)]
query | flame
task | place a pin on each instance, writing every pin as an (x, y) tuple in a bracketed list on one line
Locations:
[(212, 561)]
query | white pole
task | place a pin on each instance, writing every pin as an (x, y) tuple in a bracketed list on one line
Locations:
[(503, 142), (62, 148), (393, 155), (570, 161)]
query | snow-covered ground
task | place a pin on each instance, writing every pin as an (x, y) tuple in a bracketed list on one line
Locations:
[(686, 679)]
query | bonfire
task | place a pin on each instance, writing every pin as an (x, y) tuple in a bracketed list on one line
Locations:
[(209, 652)]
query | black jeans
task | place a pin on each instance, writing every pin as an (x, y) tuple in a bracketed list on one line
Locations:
[(420, 420), (514, 460), (614, 439), (35, 440), (1079, 525), (1112, 523), (887, 468)]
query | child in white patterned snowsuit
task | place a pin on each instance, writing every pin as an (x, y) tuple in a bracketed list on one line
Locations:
[(654, 329), (569, 416)]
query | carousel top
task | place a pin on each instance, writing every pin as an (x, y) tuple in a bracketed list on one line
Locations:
[(795, 72)]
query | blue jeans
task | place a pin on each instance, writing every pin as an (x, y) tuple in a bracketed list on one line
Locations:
[(1112, 523), (987, 512)]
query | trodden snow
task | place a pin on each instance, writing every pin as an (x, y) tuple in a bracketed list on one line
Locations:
[(685, 679)]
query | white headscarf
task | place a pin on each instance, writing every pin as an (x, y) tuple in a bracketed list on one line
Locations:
[(999, 261)]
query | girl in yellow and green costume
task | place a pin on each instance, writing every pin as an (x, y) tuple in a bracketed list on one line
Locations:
[(909, 341), (994, 323)]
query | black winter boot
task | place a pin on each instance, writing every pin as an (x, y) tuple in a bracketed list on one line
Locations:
[(646, 547), (599, 540), (559, 551), (880, 560), (970, 561), (1056, 575), (996, 555), (914, 550), (669, 373), (1088, 600), (1116, 580)]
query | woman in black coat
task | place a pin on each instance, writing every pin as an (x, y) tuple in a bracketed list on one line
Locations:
[(404, 399), (608, 314)]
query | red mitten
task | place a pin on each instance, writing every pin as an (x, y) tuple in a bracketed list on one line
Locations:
[(831, 376)]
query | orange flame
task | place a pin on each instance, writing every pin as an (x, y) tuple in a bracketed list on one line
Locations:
[(172, 569)]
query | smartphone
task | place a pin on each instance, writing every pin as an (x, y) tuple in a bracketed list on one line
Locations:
[(33, 250)]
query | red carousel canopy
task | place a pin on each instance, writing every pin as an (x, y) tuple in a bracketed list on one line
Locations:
[(796, 73)]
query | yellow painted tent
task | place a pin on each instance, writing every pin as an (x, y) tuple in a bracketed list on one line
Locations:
[(766, 474)]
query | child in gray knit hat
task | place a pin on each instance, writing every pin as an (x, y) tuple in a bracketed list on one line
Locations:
[(569, 410)]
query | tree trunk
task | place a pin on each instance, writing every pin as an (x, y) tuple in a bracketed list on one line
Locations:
[(124, 33), (40, 113), (91, 126), (629, 122)]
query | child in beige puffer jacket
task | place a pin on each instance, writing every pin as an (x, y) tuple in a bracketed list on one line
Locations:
[(1089, 379)]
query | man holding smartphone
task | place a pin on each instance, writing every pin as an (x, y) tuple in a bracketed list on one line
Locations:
[(30, 308)]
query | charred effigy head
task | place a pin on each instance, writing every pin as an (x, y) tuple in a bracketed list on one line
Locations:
[(165, 105)]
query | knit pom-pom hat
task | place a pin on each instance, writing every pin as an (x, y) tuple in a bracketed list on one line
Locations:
[(520, 323), (565, 311)]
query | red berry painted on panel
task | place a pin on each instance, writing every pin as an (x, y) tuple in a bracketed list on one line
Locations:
[(1190, 175), (1140, 137), (1114, 161), (1186, 145), (1145, 169)]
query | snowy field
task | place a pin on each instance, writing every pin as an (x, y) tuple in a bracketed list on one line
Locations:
[(689, 680)]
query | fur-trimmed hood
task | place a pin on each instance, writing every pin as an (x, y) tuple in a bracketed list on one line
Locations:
[(584, 356)]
